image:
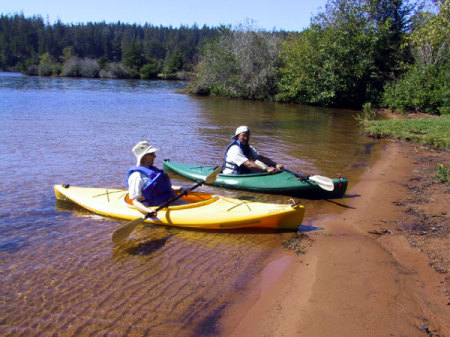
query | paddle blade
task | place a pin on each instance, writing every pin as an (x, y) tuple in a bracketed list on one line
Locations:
[(124, 231), (213, 175), (324, 182)]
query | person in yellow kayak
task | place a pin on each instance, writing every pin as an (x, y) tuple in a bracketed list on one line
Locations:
[(241, 157), (148, 185)]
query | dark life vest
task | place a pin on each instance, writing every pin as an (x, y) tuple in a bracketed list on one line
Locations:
[(247, 152), (158, 188)]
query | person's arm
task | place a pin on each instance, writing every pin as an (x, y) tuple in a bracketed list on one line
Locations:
[(140, 206), (272, 166), (254, 167), (135, 184), (266, 160), (180, 189), (240, 159)]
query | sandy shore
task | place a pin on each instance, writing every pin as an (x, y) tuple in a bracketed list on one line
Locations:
[(378, 269)]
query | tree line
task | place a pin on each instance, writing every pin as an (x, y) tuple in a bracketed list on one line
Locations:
[(117, 50), (355, 53)]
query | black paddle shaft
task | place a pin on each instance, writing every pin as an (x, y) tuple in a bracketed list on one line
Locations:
[(298, 175), (168, 202)]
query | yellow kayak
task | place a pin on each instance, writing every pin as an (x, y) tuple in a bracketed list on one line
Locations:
[(203, 210)]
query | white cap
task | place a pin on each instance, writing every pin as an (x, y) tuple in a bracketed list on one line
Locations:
[(141, 149), (240, 130)]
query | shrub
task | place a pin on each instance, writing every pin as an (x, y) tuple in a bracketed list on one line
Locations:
[(116, 70), (89, 68), (45, 65), (71, 68), (367, 114), (77, 67), (423, 88), (150, 70), (240, 64), (32, 70), (443, 173)]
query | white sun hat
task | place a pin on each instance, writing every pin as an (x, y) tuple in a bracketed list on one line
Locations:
[(240, 130), (141, 149)]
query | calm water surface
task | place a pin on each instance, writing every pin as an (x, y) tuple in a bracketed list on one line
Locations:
[(60, 273)]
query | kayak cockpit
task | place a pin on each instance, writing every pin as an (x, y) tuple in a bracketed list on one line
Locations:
[(195, 199)]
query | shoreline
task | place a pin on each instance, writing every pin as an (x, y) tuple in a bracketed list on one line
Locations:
[(378, 269)]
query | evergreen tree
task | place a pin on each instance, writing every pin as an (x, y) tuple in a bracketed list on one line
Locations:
[(23, 40)]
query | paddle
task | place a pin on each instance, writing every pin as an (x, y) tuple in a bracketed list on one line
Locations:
[(124, 231), (323, 182)]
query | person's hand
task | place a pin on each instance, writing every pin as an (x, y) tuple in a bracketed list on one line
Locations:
[(151, 214), (279, 167), (177, 189), (271, 170)]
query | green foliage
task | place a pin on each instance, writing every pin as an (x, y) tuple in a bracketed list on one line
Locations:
[(329, 67), (443, 173), (173, 63), (103, 62), (390, 21), (444, 110), (425, 131), (432, 29), (346, 55), (367, 114), (133, 57), (423, 88), (150, 70), (29, 67), (240, 64), (45, 65), (56, 69), (67, 54), (23, 39)]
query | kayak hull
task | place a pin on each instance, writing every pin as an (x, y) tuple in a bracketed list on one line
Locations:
[(279, 183), (203, 211)]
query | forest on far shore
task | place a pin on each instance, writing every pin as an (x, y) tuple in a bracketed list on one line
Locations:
[(109, 50), (355, 54)]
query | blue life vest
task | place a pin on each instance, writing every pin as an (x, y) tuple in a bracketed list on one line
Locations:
[(158, 188), (238, 169)]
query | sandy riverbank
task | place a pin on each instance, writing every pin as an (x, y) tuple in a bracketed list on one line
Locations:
[(378, 269)]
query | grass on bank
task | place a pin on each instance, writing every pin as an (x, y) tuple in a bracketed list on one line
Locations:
[(424, 131)]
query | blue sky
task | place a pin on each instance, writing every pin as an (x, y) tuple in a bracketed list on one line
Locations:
[(292, 15)]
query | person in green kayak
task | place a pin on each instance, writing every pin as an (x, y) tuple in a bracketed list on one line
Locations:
[(148, 185), (241, 157)]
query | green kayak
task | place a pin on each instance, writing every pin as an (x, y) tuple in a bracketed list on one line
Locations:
[(279, 183)]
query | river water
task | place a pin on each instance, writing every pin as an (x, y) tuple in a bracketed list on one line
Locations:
[(60, 273)]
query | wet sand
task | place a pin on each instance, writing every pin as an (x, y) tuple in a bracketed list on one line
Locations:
[(379, 269)]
